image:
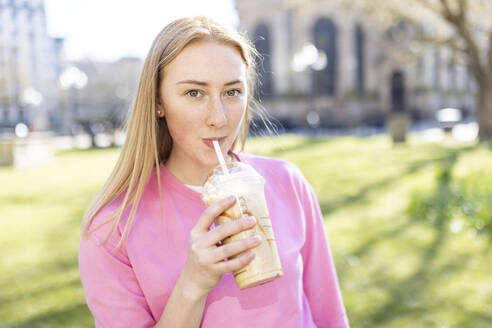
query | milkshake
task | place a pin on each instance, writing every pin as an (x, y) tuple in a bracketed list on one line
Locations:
[(242, 181)]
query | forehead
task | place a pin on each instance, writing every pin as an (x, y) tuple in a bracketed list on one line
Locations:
[(206, 61)]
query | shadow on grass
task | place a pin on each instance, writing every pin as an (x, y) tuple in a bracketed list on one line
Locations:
[(411, 297), (77, 315), (59, 314), (367, 245), (362, 195), (305, 143), (474, 318), (18, 199), (404, 295), (466, 202), (487, 143), (40, 291), (58, 270)]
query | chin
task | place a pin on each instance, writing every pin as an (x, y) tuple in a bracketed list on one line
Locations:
[(209, 160)]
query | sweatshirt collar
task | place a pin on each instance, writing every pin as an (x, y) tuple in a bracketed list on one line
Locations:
[(175, 184)]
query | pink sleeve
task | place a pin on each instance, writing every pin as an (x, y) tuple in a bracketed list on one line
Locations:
[(320, 277), (111, 288)]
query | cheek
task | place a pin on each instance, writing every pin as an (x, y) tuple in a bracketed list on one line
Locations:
[(182, 118), (181, 127), (236, 113)]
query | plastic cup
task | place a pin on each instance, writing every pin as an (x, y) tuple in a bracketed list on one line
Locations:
[(242, 181)]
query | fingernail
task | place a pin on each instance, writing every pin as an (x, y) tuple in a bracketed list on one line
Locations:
[(251, 219), (256, 238)]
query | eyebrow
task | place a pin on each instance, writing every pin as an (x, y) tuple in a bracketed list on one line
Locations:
[(205, 83)]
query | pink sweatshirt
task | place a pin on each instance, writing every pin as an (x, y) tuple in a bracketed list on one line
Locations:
[(130, 287)]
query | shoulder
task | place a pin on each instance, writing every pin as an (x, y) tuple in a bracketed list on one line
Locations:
[(100, 228), (113, 219)]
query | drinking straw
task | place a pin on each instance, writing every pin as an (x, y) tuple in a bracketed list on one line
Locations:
[(218, 152)]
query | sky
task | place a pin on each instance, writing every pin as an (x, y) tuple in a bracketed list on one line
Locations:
[(109, 29)]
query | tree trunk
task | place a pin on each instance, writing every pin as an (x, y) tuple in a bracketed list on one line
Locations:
[(484, 110)]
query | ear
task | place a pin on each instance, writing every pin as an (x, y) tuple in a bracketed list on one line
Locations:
[(159, 108)]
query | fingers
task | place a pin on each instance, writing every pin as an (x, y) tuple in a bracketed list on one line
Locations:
[(239, 254), (209, 215), (229, 250), (235, 264), (228, 229)]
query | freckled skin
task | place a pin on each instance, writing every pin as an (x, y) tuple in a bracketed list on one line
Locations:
[(203, 94)]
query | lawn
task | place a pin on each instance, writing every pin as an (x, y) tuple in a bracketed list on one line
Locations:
[(410, 229)]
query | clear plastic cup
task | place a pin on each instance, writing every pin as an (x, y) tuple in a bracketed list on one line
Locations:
[(242, 181)]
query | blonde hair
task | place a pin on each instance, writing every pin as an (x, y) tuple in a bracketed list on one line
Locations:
[(148, 142)]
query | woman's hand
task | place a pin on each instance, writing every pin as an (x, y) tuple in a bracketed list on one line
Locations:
[(205, 263)]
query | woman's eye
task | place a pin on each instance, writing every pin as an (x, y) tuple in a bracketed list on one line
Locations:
[(193, 93), (233, 93)]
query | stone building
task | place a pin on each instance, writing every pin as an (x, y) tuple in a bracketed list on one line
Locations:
[(30, 63), (108, 95), (325, 65)]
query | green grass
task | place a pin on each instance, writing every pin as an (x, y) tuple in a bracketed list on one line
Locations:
[(398, 265)]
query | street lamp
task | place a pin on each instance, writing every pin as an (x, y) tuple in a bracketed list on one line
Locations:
[(310, 57), (29, 99), (72, 79)]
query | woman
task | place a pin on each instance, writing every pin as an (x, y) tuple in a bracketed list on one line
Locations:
[(148, 255)]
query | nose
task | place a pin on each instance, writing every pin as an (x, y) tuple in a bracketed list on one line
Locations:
[(217, 113)]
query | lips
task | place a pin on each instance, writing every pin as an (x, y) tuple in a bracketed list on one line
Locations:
[(209, 141)]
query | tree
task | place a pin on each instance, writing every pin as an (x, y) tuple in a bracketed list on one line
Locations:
[(465, 26)]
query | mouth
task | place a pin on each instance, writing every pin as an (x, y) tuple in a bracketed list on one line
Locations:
[(209, 141)]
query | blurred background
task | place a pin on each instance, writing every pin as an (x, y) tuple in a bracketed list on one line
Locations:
[(386, 107)]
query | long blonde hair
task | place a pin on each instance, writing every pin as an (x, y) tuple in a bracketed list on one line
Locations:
[(148, 142)]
